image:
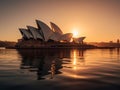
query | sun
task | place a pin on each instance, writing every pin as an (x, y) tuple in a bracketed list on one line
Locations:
[(75, 33)]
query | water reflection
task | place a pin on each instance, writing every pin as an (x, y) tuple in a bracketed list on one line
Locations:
[(118, 54), (52, 69), (111, 51), (118, 51), (69, 67), (48, 63), (43, 62), (77, 57)]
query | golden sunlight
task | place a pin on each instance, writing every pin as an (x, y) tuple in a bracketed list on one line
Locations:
[(75, 33), (74, 60)]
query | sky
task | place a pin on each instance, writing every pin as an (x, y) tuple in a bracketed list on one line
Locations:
[(98, 20)]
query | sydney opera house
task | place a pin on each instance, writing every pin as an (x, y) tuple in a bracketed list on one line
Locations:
[(44, 36)]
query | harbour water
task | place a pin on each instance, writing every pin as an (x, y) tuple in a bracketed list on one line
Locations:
[(60, 69)]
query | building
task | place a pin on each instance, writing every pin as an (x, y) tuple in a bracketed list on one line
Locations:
[(40, 36), (78, 40), (45, 33)]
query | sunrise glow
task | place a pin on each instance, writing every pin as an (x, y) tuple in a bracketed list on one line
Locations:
[(75, 33)]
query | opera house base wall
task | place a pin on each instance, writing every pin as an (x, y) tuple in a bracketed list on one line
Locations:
[(34, 44)]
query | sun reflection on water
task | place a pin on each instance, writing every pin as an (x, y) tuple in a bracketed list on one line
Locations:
[(77, 59), (76, 65), (74, 60)]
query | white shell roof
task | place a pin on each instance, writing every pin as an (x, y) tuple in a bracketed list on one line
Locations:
[(26, 33), (66, 37), (55, 36), (36, 34), (45, 33), (45, 29), (79, 40), (55, 28)]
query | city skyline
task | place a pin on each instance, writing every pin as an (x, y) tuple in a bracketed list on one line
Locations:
[(98, 20)]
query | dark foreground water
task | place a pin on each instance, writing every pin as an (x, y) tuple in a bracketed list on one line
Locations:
[(62, 69)]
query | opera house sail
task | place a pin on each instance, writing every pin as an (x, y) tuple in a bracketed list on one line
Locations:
[(35, 32), (55, 28), (26, 33), (47, 32), (44, 36)]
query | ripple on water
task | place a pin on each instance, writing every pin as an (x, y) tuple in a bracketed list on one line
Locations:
[(70, 69)]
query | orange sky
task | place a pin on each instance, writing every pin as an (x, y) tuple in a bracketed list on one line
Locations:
[(98, 20)]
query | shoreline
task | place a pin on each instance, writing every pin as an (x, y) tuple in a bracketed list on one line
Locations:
[(61, 47)]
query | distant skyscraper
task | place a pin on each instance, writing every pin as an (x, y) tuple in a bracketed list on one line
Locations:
[(118, 41)]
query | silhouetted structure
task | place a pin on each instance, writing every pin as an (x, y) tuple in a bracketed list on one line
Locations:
[(118, 41), (44, 36)]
